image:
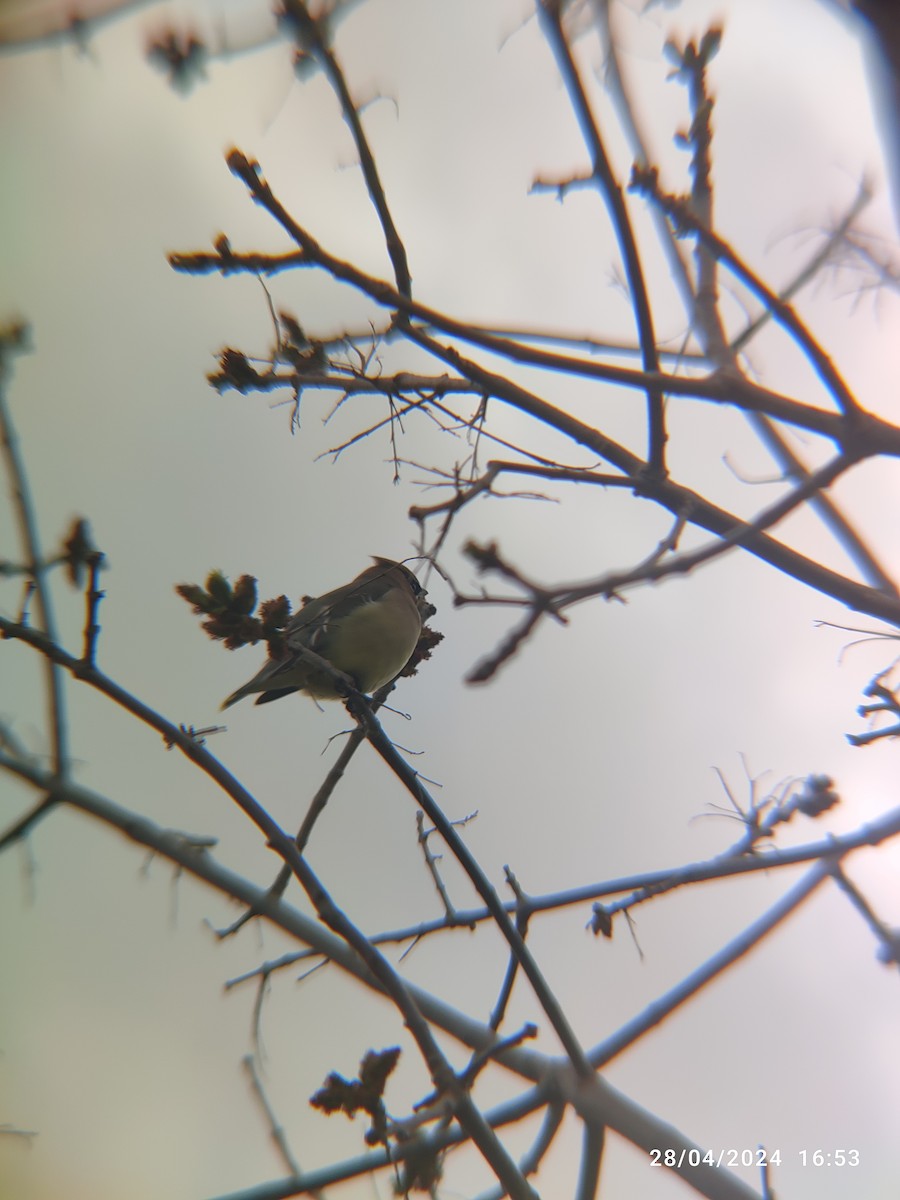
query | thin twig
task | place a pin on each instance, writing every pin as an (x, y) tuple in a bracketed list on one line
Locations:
[(550, 15), (310, 39), (644, 181), (92, 598), (889, 938), (28, 532), (431, 862), (276, 1130)]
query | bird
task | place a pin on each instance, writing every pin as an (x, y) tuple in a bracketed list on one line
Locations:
[(367, 629)]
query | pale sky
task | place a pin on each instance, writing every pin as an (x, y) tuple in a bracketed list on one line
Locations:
[(591, 756)]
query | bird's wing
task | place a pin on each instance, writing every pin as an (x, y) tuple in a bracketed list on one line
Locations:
[(311, 624)]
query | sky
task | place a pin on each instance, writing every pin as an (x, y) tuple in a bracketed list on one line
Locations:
[(594, 754)]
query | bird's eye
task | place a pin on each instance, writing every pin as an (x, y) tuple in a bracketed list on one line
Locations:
[(417, 588)]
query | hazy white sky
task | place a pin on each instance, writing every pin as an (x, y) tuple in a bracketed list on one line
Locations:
[(590, 757)]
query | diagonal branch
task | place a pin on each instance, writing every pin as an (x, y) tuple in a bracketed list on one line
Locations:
[(550, 15), (644, 181), (665, 1005), (602, 1103), (679, 500), (706, 322), (11, 341), (309, 36)]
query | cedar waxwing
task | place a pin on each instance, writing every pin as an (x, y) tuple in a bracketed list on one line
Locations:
[(368, 629)]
